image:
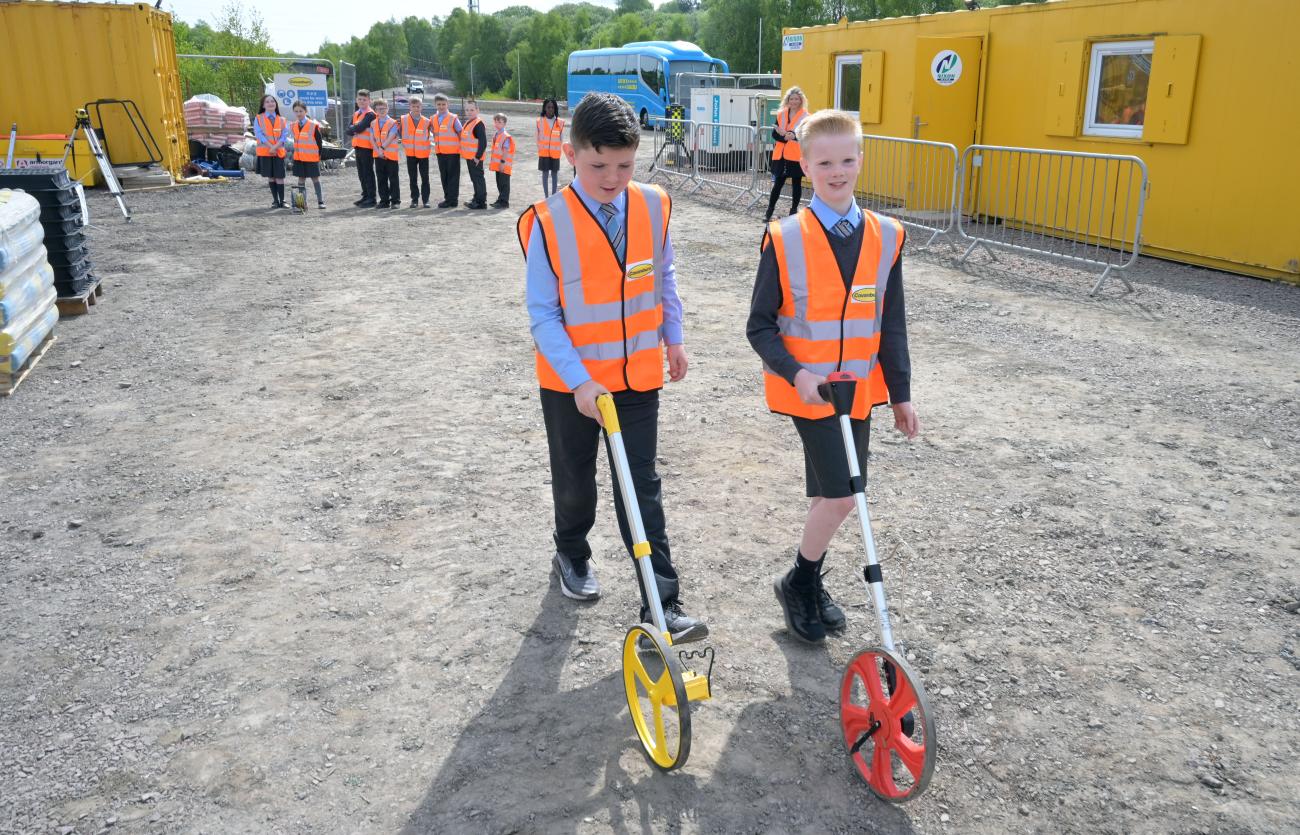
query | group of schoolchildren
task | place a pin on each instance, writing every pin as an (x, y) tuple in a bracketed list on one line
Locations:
[(380, 142), (606, 317)]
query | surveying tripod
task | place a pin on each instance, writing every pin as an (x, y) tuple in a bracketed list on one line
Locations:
[(105, 168)]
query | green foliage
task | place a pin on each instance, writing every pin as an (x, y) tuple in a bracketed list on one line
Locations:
[(519, 51)]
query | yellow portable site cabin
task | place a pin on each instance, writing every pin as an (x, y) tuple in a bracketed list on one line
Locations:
[(1205, 92), (56, 57)]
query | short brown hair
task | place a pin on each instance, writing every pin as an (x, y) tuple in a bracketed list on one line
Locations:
[(365, 93), (500, 117), (828, 122), (378, 102)]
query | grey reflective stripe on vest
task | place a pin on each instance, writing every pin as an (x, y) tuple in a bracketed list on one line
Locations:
[(796, 265), (643, 341), (829, 330), (576, 310)]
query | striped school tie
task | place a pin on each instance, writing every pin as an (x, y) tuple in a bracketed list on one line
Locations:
[(844, 229), (613, 229)]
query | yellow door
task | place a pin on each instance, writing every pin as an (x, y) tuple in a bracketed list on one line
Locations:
[(946, 90), (945, 101)]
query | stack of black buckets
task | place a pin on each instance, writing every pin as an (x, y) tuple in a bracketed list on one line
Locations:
[(65, 243)]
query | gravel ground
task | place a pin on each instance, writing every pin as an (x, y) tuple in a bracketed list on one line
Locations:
[(274, 547)]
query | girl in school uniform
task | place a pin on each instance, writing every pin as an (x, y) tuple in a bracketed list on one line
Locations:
[(550, 136), (272, 133), (785, 154), (306, 150)]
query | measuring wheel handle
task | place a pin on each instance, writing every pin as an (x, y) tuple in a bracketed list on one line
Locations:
[(839, 390)]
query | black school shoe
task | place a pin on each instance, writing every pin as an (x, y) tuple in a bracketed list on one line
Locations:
[(365, 203), (802, 614), (446, 205), (383, 205), (832, 616)]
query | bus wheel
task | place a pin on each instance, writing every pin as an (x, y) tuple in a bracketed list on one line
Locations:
[(645, 119)]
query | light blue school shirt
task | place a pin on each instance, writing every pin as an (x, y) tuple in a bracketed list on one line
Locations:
[(829, 217)]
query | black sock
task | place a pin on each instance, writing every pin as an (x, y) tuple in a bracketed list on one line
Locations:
[(805, 570), (275, 198)]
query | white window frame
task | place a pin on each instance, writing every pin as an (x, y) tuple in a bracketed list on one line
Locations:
[(841, 61), (1100, 51)]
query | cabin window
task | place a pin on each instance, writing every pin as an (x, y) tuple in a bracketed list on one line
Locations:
[(1118, 76)]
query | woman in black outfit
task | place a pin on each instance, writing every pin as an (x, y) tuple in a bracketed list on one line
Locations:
[(785, 154)]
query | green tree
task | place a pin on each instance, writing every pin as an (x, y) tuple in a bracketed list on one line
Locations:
[(623, 7), (421, 39)]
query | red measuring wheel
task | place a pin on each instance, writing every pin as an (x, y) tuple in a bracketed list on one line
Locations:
[(887, 727)]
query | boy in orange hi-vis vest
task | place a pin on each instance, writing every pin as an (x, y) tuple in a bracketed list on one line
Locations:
[(829, 297), (502, 161), (602, 301)]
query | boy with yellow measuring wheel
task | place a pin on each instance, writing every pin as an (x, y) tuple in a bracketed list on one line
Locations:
[(828, 298), (602, 297)]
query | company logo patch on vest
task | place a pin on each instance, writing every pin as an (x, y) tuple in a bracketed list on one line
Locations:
[(863, 294), (946, 68), (641, 269)]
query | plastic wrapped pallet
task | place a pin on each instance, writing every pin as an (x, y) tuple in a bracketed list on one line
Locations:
[(27, 294)]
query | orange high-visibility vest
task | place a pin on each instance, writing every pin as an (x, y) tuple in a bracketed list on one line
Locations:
[(305, 148), (361, 140), (503, 153), (273, 130), (788, 150), (468, 143), (825, 327), (445, 133), (613, 310), (386, 141), (550, 138), (415, 137)]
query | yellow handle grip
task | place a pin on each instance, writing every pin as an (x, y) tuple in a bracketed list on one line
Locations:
[(605, 403)]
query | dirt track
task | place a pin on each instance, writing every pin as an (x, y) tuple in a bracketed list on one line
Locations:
[(274, 524)]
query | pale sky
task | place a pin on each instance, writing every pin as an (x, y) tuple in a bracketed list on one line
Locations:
[(302, 27)]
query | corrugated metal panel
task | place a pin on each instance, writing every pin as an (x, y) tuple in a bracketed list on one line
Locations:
[(55, 57)]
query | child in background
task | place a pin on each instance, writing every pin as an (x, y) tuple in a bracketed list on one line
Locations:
[(416, 144), (386, 137), (306, 151), (362, 152), (550, 135), (272, 133), (473, 147), (503, 160), (446, 136)]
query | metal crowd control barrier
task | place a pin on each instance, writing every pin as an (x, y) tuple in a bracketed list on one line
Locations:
[(674, 157), (1080, 207), (912, 180), (726, 158)]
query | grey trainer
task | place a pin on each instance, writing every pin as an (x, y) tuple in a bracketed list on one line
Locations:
[(577, 579)]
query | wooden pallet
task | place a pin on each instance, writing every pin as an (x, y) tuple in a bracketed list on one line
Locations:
[(9, 382), (77, 305)]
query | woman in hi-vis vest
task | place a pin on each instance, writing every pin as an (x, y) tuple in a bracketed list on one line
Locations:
[(550, 137), (785, 153)]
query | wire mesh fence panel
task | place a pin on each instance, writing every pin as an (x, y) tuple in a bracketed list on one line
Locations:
[(912, 180), (727, 159), (347, 101), (674, 157), (1084, 208)]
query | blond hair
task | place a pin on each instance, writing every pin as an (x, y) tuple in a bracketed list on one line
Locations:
[(415, 100), (828, 122), (794, 91), (378, 102)]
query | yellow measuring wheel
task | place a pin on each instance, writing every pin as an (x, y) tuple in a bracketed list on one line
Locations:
[(299, 200), (658, 684)]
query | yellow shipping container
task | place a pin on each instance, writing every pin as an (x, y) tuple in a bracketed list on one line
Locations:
[(55, 57), (1201, 90)]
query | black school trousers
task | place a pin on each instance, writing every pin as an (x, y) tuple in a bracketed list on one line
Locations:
[(503, 188), (418, 166), (390, 188), (574, 441), (449, 173), (366, 172), (479, 182)]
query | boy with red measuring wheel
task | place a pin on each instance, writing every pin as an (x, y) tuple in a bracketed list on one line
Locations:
[(829, 298), (602, 300)]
